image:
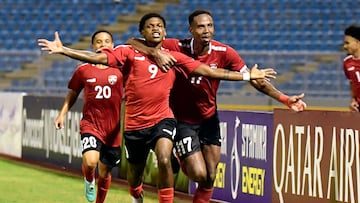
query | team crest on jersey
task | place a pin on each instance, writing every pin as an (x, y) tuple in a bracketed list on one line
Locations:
[(351, 68), (112, 79), (213, 65)]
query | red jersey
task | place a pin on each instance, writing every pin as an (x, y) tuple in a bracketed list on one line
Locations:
[(103, 92), (147, 88), (193, 98), (351, 67)]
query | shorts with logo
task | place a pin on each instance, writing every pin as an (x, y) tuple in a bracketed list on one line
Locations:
[(191, 137), (139, 142), (110, 156)]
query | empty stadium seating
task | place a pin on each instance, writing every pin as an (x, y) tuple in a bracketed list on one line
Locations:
[(272, 33)]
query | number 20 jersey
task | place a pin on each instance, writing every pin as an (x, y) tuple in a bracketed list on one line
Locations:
[(103, 93)]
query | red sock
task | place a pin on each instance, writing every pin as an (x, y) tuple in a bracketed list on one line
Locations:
[(166, 195), (88, 174), (102, 188), (202, 195), (136, 192)]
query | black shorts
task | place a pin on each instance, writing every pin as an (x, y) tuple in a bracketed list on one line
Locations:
[(190, 138), (110, 156), (139, 142)]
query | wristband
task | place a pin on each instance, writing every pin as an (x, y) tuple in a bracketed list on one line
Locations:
[(284, 99), (246, 76)]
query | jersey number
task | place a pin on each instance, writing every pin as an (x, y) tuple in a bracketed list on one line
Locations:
[(183, 146), (88, 142), (153, 69), (196, 80), (103, 92)]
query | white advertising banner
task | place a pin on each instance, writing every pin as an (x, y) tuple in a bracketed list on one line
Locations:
[(11, 105)]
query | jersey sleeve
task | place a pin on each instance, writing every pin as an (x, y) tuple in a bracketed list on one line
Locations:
[(171, 44), (345, 72), (345, 66), (75, 83), (117, 56), (234, 61)]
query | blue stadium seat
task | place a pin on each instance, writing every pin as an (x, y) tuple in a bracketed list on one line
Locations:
[(257, 26)]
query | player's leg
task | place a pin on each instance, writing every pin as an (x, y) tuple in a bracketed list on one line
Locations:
[(187, 145), (163, 137), (205, 188), (104, 181), (109, 158), (211, 145), (136, 154), (90, 155), (134, 178), (211, 154)]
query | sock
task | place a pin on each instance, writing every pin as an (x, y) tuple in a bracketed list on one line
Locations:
[(166, 195), (202, 195), (102, 188), (136, 192), (88, 174)]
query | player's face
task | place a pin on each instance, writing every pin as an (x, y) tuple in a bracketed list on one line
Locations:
[(154, 30), (103, 40), (351, 45), (202, 29)]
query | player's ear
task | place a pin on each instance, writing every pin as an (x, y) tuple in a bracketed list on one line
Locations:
[(191, 29), (142, 33)]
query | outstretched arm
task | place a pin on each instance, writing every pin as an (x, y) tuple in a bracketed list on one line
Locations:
[(226, 74), (56, 47), (68, 103), (164, 60), (294, 102)]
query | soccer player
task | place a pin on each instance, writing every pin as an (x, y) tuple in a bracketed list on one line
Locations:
[(193, 100), (149, 121), (100, 125), (351, 64)]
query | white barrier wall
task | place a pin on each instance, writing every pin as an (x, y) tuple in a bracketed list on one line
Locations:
[(11, 106)]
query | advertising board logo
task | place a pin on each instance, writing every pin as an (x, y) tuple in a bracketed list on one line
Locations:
[(235, 163)]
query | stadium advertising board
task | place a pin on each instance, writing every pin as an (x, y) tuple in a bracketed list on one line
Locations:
[(316, 156), (42, 142), (245, 169), (11, 105)]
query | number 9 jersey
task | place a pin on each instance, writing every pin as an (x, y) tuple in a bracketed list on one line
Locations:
[(147, 88)]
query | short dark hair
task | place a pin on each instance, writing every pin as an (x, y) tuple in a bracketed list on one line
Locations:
[(100, 31), (147, 17), (353, 31), (196, 13)]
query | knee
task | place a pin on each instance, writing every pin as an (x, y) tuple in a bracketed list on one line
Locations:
[(104, 171), (197, 174), (164, 162), (91, 164)]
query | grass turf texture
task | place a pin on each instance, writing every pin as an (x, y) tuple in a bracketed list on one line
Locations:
[(21, 182)]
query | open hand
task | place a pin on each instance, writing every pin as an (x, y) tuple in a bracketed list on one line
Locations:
[(266, 73), (54, 47)]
